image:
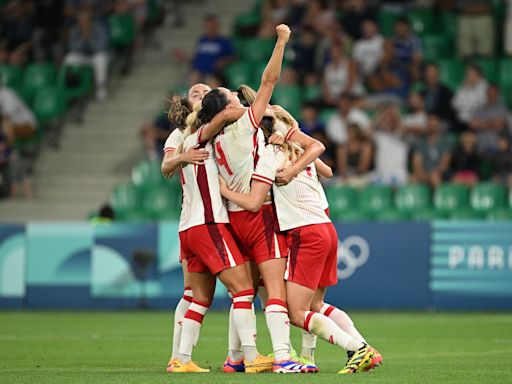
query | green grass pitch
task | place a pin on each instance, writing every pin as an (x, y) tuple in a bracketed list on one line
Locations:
[(133, 347)]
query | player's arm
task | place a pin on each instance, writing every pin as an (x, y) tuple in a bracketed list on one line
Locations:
[(271, 74), (312, 150), (171, 162), (251, 201), (219, 121), (323, 169)]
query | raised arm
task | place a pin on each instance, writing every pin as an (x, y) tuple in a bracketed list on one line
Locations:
[(271, 74), (251, 201), (219, 121)]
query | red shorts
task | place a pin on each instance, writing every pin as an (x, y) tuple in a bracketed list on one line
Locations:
[(257, 234), (313, 256), (210, 247)]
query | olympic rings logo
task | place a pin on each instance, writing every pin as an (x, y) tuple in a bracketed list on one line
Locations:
[(353, 253)]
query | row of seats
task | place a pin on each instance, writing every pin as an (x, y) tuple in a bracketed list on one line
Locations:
[(151, 197)]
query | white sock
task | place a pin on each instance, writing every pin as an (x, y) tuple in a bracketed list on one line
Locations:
[(234, 345), (245, 322), (179, 313), (308, 345), (342, 320), (262, 294), (327, 329), (190, 330), (278, 323)]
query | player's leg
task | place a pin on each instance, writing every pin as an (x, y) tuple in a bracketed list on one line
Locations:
[(181, 309)]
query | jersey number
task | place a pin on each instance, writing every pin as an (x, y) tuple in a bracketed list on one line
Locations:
[(221, 158)]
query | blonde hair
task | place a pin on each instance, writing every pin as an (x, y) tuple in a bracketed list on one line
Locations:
[(179, 109), (291, 148), (192, 124)]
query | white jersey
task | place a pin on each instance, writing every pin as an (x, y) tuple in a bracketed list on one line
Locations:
[(236, 150), (174, 140), (202, 201), (300, 202)]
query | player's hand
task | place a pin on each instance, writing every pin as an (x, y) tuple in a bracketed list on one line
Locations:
[(283, 33), (195, 155), (285, 175), (277, 138)]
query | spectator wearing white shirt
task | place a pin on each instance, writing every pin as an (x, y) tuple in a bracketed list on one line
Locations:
[(414, 124), (337, 126), (471, 96), (18, 120), (368, 50)]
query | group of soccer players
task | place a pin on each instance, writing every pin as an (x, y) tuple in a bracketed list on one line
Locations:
[(255, 216)]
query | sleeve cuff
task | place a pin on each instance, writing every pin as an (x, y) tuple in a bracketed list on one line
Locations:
[(290, 133), (169, 149), (252, 119), (262, 179)]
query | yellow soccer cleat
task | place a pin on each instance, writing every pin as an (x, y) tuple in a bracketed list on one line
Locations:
[(260, 364), (170, 364), (190, 367), (362, 360)]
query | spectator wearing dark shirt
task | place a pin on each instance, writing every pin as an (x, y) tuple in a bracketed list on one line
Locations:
[(437, 96), (213, 51), (354, 14), (358, 155), (310, 124), (501, 162), (154, 135), (305, 51), (408, 47), (17, 29), (465, 164), (48, 30)]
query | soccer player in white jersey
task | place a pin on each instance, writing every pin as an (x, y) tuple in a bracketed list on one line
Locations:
[(208, 246), (180, 108), (312, 241)]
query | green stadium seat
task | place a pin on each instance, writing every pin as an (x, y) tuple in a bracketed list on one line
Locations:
[(413, 197), (351, 216), (421, 20), (122, 30), (376, 198), (289, 97), (391, 215), (505, 79), (510, 198), (451, 72), (147, 174), (504, 214), (489, 68), (447, 24), (48, 104), (448, 197), (22, 93), (82, 75), (38, 76), (257, 50), (486, 197), (154, 10), (124, 198), (11, 75), (341, 198), (386, 21), (466, 214), (312, 92), (238, 73), (325, 115), (436, 47), (157, 201), (429, 215)]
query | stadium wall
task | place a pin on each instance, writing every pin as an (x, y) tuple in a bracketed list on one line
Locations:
[(438, 265)]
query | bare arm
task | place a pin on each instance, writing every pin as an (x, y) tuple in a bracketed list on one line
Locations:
[(251, 201), (312, 150), (365, 159), (341, 159), (323, 169), (191, 156), (271, 74), (215, 126)]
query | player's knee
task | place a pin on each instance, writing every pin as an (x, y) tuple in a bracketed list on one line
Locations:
[(296, 318), (316, 306)]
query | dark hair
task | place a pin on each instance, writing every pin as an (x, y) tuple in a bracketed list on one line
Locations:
[(213, 102), (179, 109), (106, 212), (475, 67), (402, 20)]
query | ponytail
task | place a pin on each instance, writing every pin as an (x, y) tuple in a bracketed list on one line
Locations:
[(192, 124)]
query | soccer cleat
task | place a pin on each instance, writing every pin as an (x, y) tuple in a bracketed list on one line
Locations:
[(190, 367), (170, 364), (231, 366), (260, 364), (290, 366), (362, 360), (307, 362)]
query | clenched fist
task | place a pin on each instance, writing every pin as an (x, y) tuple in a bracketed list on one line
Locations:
[(283, 32)]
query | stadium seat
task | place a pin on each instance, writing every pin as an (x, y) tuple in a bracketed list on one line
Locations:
[(466, 214), (75, 80), (505, 79), (289, 97), (22, 93), (352, 215), (341, 198), (257, 49), (238, 73), (124, 198), (156, 202), (386, 21), (421, 20), (503, 214), (489, 68), (451, 72), (428, 215), (413, 197), (312, 92), (391, 215), (147, 174), (325, 115), (488, 196), (376, 198), (11, 75), (448, 197), (37, 76), (447, 24), (122, 30), (436, 46), (48, 104)]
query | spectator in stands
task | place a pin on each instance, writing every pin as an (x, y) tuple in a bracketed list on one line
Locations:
[(476, 29), (16, 32), (356, 157), (334, 34), (100, 8), (437, 96), (465, 164), (340, 76), (408, 47), (489, 121), (431, 158), (507, 38), (88, 44), (391, 148), (368, 50), (18, 120), (213, 51), (414, 124), (305, 51), (470, 96), (337, 125), (154, 135), (319, 16), (355, 12), (501, 161), (48, 44), (310, 124), (274, 12)]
